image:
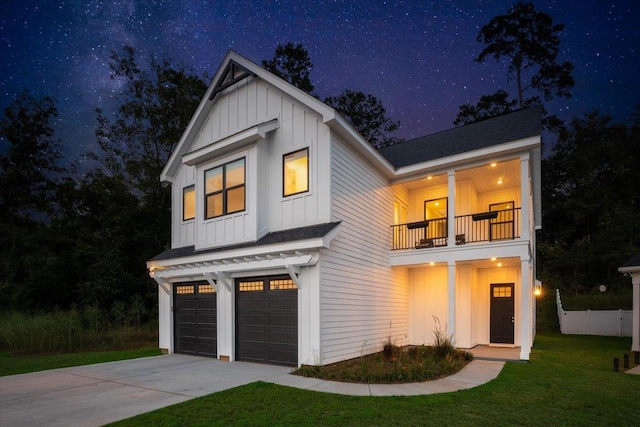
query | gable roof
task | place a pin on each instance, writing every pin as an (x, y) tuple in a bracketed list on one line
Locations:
[(497, 130), (235, 67)]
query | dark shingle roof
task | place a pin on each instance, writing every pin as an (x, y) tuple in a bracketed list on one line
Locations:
[(497, 130), (634, 261), (302, 233)]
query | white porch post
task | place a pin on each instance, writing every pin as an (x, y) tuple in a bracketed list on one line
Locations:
[(525, 197), (451, 292), (165, 316), (525, 317), (451, 210), (635, 339)]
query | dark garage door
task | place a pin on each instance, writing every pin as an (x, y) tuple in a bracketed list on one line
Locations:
[(195, 319), (267, 320)]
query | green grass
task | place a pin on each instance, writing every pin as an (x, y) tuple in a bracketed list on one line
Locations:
[(11, 365), (568, 382)]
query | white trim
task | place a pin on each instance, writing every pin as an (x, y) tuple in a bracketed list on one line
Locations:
[(238, 140), (222, 270), (465, 160)]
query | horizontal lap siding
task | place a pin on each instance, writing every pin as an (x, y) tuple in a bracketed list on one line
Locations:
[(363, 301)]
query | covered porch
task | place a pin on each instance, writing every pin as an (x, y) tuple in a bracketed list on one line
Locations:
[(479, 303)]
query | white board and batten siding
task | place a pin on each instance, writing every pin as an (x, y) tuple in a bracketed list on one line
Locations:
[(246, 104), (183, 232), (363, 300)]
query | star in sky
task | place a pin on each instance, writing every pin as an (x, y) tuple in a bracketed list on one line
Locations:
[(417, 57)]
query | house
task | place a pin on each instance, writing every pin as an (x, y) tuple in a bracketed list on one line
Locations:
[(632, 267), (296, 242)]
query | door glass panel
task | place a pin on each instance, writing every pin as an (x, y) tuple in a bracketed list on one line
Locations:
[(251, 286)]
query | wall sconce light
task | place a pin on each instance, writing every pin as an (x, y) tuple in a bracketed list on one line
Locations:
[(537, 290)]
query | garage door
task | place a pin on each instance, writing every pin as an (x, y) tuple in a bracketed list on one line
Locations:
[(267, 320), (195, 319)]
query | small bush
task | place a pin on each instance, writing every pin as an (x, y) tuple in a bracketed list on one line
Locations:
[(395, 364)]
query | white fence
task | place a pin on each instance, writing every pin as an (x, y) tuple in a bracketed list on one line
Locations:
[(594, 322)]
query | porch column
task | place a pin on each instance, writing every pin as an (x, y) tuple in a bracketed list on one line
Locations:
[(635, 316), (525, 197), (525, 317), (451, 293), (165, 316), (451, 211)]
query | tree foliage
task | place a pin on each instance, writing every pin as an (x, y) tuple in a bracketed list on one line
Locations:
[(292, 63), (530, 40), (28, 174), (29, 167), (591, 203), (367, 114), (488, 106)]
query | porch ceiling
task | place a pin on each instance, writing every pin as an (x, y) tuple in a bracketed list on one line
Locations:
[(485, 178), (512, 262)]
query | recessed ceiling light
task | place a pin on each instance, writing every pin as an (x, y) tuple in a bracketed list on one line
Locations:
[(499, 264), (429, 178), (432, 263), (494, 164), (493, 258), (499, 181)]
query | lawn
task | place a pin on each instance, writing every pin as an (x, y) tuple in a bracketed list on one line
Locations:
[(568, 382), (11, 365)]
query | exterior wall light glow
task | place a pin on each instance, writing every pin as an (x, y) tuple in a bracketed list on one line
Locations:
[(538, 290)]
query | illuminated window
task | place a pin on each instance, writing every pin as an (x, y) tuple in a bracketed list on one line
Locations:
[(224, 189), (188, 203), (296, 172)]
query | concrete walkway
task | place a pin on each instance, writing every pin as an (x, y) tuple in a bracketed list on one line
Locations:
[(94, 395)]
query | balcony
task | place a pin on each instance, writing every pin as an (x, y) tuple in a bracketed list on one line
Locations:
[(489, 226)]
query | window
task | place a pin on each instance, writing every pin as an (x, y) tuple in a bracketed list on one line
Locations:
[(296, 172), (188, 203), (224, 189)]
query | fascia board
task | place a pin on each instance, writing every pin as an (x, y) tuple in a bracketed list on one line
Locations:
[(629, 269), (299, 245), (240, 139), (345, 130), (301, 96), (463, 159)]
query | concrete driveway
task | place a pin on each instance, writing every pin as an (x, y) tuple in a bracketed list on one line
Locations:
[(94, 395)]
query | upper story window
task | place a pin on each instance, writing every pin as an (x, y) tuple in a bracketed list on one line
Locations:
[(188, 203), (295, 173), (225, 189)]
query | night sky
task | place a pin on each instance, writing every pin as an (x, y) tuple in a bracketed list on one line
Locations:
[(416, 56)]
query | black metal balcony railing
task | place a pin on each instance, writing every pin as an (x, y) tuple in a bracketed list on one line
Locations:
[(479, 227)]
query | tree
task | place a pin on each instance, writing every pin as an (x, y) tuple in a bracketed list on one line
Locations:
[(591, 203), (291, 63), (365, 112), (28, 169), (121, 210), (28, 173), (530, 40), (488, 106), (367, 115)]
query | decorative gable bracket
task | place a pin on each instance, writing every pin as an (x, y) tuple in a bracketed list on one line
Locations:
[(231, 75)]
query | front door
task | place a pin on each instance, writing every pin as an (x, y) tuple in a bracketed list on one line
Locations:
[(502, 313)]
